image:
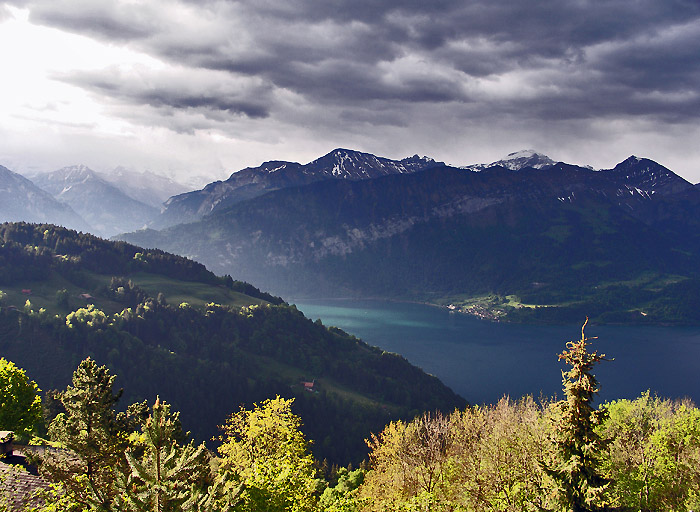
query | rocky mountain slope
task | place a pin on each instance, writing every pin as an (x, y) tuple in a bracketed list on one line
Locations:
[(105, 207), (340, 164), (20, 199)]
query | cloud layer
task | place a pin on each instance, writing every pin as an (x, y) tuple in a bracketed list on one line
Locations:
[(362, 68)]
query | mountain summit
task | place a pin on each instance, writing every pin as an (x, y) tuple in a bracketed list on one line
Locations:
[(645, 174), (524, 158), (105, 207), (516, 161), (547, 233), (21, 199)]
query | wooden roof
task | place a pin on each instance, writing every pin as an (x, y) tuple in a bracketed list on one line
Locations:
[(19, 482)]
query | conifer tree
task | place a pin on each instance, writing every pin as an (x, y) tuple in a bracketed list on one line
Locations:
[(92, 436), (581, 487), (167, 474)]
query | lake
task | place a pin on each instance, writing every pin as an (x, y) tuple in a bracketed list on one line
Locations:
[(482, 361)]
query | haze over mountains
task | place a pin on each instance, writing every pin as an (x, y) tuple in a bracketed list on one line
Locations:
[(104, 204), (106, 208), (20, 199), (354, 224)]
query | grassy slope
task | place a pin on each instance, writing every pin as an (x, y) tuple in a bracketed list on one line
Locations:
[(43, 293)]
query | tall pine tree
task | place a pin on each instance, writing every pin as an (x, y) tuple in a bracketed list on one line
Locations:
[(581, 487), (167, 475), (93, 439)]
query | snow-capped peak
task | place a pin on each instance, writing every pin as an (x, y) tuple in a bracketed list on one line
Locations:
[(524, 158), (73, 173), (516, 161)]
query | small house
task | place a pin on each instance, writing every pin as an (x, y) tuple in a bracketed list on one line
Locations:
[(308, 386), (19, 480)]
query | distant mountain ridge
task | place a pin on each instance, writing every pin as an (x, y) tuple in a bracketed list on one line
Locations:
[(147, 187), (448, 231), (20, 199), (104, 206), (339, 164)]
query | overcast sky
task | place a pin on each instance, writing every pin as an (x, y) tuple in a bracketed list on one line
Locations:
[(187, 87)]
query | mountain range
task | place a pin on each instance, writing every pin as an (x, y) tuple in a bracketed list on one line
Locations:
[(526, 230), (20, 199), (251, 182), (521, 237), (104, 206)]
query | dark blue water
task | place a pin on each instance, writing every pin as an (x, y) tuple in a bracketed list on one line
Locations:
[(482, 361)]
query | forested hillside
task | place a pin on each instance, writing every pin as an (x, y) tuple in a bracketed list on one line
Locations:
[(517, 455), (206, 360)]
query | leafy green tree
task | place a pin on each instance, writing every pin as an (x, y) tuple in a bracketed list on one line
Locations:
[(482, 458), (343, 497), (90, 316), (62, 298), (654, 453), (576, 469), (95, 441), (497, 449), (265, 451), (20, 404), (411, 462)]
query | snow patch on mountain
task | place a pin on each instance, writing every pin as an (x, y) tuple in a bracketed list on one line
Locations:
[(516, 161)]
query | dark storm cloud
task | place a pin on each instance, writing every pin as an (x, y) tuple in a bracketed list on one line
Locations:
[(539, 59), (209, 97), (105, 20)]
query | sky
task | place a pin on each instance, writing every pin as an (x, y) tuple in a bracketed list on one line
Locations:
[(200, 89)]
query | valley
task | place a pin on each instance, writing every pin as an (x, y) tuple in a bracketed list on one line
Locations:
[(166, 326)]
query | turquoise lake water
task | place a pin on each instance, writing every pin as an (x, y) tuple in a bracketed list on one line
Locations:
[(482, 361)]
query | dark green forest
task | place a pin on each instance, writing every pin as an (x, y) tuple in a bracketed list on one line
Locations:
[(568, 455)]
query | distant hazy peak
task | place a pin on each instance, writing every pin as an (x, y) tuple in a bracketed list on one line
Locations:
[(71, 174)]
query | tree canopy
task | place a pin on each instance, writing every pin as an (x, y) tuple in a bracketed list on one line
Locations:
[(20, 403)]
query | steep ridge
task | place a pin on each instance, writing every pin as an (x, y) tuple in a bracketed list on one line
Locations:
[(340, 164), (107, 209), (22, 200)]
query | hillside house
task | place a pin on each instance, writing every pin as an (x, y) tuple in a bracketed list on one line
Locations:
[(308, 386), (19, 480)]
